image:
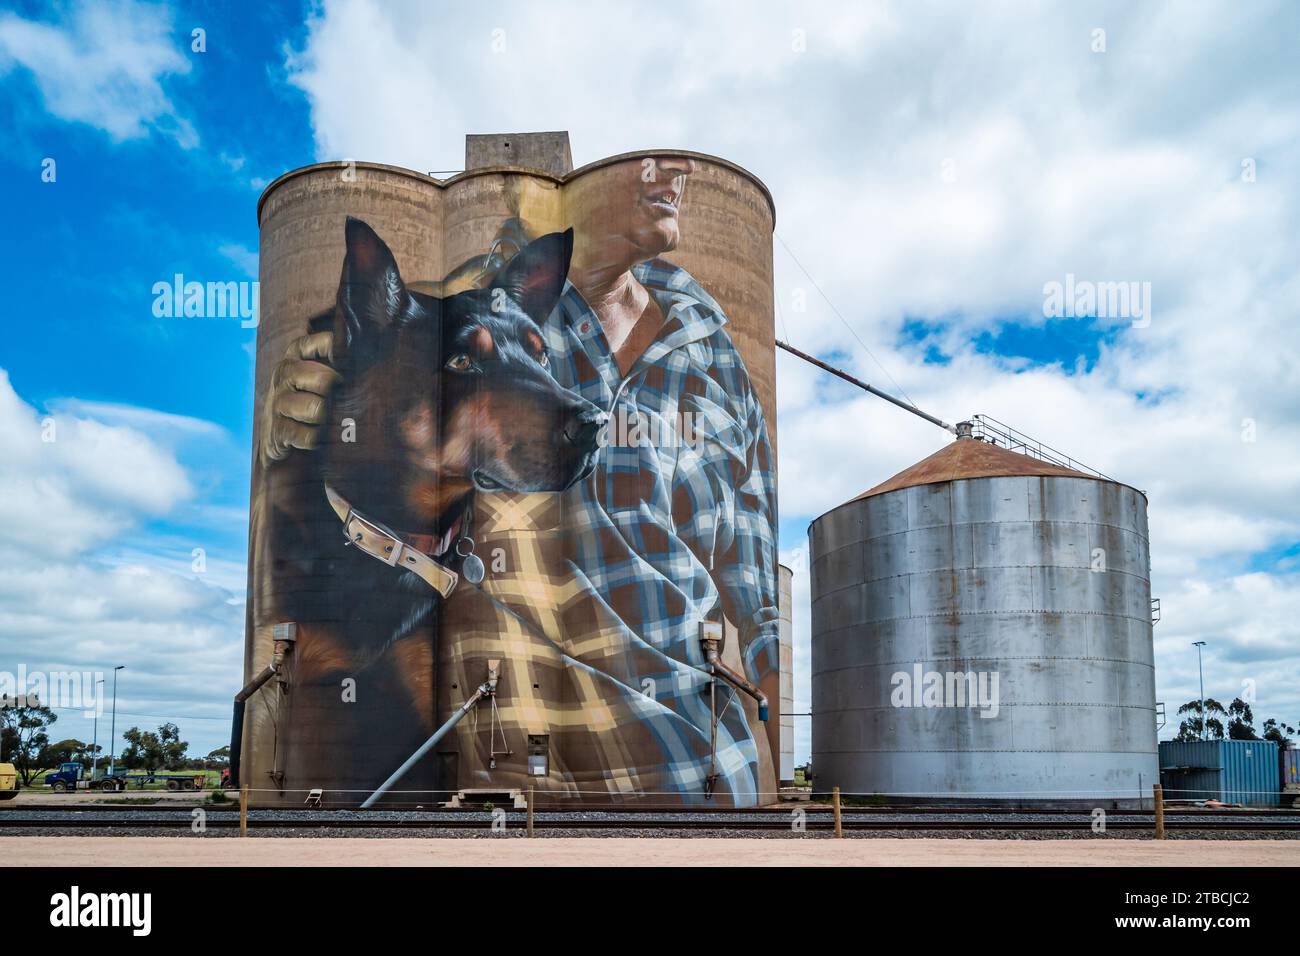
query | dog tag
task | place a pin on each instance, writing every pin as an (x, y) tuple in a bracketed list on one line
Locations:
[(472, 568)]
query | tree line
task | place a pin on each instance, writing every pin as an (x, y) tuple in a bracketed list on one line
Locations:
[(25, 742), (1234, 722)]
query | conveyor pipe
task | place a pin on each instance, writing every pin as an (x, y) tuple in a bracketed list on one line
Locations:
[(711, 643), (485, 689), (838, 373)]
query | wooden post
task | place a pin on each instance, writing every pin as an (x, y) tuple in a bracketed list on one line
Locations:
[(1160, 811), (530, 811), (243, 811), (835, 804)]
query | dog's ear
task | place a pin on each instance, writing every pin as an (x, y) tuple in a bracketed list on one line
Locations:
[(372, 295), (534, 278)]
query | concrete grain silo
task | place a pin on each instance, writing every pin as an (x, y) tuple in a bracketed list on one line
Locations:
[(981, 629), (449, 236)]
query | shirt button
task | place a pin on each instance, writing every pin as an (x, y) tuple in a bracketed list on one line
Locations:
[(584, 328)]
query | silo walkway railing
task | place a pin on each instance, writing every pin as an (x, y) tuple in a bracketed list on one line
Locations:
[(989, 429)]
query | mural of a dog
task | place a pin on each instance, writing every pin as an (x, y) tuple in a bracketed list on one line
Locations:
[(440, 398)]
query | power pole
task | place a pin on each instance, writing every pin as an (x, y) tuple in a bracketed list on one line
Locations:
[(1205, 721)]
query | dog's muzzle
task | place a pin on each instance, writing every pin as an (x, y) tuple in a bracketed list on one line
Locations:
[(583, 426)]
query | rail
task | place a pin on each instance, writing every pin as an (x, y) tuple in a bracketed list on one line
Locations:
[(989, 429)]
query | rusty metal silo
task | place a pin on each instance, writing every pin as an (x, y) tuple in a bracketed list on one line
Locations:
[(981, 629)]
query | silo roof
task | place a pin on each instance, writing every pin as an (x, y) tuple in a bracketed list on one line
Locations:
[(970, 458)]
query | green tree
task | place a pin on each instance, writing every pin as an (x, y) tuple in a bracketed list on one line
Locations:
[(25, 737), (173, 748), (65, 751), (1241, 726), (1190, 727), (154, 750), (1278, 732), (143, 750)]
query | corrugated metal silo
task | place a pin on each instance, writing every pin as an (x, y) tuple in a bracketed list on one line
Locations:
[(981, 628)]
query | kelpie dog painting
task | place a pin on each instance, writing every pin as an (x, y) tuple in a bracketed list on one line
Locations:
[(439, 398)]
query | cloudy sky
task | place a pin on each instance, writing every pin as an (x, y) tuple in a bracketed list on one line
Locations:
[(933, 170)]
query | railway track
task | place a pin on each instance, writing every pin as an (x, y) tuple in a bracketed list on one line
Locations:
[(138, 820)]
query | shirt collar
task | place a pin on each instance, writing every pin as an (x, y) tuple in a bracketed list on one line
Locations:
[(690, 313)]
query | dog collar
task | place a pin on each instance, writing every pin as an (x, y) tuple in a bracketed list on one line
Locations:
[(413, 552)]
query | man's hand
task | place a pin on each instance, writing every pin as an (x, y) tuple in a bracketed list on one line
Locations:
[(295, 408)]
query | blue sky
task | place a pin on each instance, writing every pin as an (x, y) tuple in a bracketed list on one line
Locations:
[(176, 194), (931, 172)]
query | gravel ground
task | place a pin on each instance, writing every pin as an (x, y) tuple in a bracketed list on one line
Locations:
[(176, 823), (484, 817), (483, 833)]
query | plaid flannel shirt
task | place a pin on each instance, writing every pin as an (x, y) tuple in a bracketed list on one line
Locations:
[(678, 522), (598, 600), (692, 499)]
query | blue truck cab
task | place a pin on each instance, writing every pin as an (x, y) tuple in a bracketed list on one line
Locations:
[(67, 777)]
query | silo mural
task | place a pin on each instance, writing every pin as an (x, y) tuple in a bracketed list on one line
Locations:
[(507, 426)]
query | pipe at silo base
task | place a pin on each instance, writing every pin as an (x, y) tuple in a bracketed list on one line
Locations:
[(237, 718), (485, 689)]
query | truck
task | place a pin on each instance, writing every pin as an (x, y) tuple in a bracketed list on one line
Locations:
[(72, 776), (8, 781)]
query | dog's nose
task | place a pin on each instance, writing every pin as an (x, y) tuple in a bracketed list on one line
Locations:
[(583, 425)]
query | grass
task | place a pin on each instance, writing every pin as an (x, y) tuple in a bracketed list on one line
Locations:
[(133, 801)]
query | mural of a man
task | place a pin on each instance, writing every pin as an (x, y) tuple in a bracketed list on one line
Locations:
[(676, 525)]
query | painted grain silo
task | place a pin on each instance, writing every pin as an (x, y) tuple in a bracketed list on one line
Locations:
[(981, 629), (513, 497)]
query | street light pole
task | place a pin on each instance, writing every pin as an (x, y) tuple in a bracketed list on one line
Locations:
[(94, 746), (112, 733), (1205, 723)]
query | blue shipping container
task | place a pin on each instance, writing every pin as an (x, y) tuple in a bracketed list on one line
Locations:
[(1233, 771)]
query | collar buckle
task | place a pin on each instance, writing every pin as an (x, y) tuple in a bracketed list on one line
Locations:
[(388, 546)]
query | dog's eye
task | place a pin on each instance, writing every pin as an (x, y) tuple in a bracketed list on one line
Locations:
[(543, 361), (460, 363)]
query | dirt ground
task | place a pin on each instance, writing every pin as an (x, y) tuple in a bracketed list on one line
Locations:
[(35, 797), (560, 851)]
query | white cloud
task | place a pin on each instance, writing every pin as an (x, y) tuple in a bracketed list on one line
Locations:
[(76, 595), (1123, 165), (70, 483), (242, 257), (103, 64)]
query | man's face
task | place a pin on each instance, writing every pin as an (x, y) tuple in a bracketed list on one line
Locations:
[(637, 203), (660, 180)]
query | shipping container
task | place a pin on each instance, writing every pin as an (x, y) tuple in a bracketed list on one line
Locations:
[(1291, 773), (1233, 771)]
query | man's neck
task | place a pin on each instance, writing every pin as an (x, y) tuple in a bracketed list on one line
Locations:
[(609, 288)]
